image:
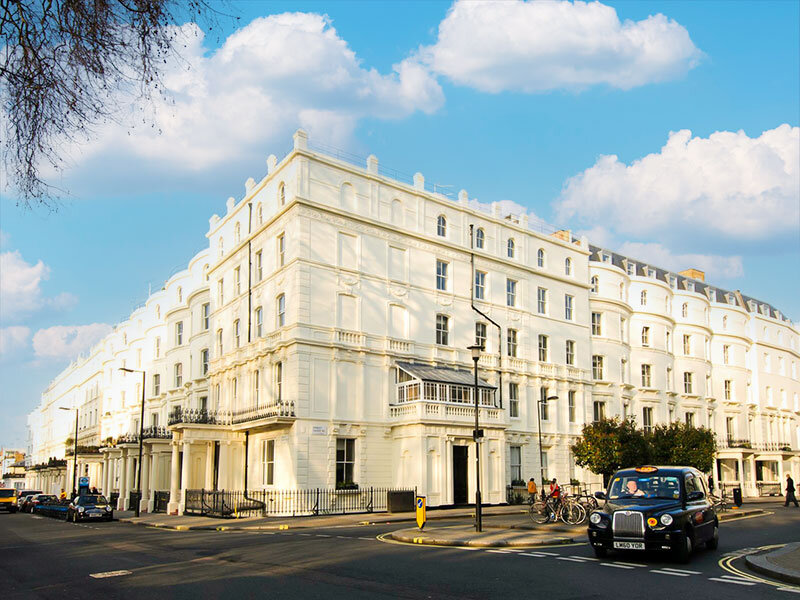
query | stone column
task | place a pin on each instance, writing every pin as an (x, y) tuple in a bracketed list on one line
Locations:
[(740, 462), (174, 490), (155, 459), (209, 479), (132, 468), (122, 502), (145, 483), (187, 470)]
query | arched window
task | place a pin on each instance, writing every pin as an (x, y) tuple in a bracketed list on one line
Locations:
[(479, 238), (540, 258), (567, 266), (511, 247), (237, 233), (595, 283), (259, 214), (685, 309), (441, 226), (725, 322), (643, 298), (281, 194)]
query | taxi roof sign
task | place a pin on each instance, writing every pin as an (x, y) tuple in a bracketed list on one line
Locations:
[(646, 469)]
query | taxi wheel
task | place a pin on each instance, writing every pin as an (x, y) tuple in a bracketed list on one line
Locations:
[(684, 552), (713, 543)]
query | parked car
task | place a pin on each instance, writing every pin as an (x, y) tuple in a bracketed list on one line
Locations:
[(655, 508), (25, 503), (8, 499), (53, 508), (33, 501), (91, 507), (22, 494)]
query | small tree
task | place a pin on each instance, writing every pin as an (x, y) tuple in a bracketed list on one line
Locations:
[(608, 445), (682, 444)]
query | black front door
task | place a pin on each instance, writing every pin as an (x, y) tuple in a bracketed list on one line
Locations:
[(459, 474)]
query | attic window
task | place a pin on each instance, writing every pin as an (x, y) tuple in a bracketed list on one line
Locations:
[(651, 273), (631, 268), (673, 281), (690, 286), (605, 257)]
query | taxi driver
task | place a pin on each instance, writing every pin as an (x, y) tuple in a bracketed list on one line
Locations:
[(632, 488)]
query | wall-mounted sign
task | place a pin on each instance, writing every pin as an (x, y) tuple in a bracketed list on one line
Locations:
[(319, 430)]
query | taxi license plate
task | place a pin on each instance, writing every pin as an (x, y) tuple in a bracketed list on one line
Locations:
[(94, 514), (629, 545)]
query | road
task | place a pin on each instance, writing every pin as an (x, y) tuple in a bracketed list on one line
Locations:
[(44, 558)]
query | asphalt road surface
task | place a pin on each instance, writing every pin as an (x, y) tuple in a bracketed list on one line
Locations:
[(44, 558)]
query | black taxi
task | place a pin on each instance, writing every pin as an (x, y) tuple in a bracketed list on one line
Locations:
[(655, 508)]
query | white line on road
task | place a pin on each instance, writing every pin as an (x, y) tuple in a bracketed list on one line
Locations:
[(304, 534), (688, 572), (499, 551), (619, 562), (343, 537), (793, 590), (370, 539), (585, 558), (322, 535), (453, 547), (615, 565), (665, 572), (578, 560), (534, 554), (513, 550), (109, 574), (736, 577), (547, 553), (720, 579)]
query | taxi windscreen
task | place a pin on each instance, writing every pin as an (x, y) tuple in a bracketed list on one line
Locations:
[(644, 486)]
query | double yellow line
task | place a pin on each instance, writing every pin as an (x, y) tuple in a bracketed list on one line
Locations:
[(725, 564)]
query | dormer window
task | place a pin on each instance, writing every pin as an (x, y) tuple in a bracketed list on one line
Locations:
[(651, 273), (441, 226), (631, 268), (673, 281), (605, 257), (511, 247), (480, 236), (690, 286)]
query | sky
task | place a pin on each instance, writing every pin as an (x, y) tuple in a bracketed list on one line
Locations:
[(664, 130)]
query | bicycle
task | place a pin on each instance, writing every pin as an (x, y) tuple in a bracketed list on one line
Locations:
[(552, 509)]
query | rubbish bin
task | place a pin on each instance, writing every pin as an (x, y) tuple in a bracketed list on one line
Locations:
[(737, 496)]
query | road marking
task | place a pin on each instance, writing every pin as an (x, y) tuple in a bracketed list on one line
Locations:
[(343, 537), (109, 574), (615, 565), (586, 558), (322, 535), (736, 581), (35, 517), (499, 551), (793, 590), (534, 554), (660, 572), (682, 571), (370, 539), (578, 560), (547, 553), (619, 562), (513, 550), (736, 577), (304, 534), (453, 547)]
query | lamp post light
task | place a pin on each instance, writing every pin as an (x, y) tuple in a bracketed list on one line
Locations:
[(74, 451), (476, 351), (539, 423), (141, 439)]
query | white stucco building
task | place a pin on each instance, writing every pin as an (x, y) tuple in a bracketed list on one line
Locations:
[(321, 340)]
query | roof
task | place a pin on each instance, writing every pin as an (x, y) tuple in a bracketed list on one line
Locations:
[(443, 374)]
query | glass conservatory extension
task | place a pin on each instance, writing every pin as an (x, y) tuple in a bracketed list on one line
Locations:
[(415, 382)]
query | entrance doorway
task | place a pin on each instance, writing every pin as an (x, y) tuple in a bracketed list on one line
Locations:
[(460, 474)]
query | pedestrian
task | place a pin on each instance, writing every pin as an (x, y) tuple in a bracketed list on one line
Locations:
[(62, 495), (94, 490), (532, 489), (790, 497)]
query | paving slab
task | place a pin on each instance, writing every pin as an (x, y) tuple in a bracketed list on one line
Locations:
[(782, 564)]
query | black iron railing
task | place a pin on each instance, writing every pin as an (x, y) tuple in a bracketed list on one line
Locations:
[(160, 501), (264, 503), (267, 411), (200, 416), (748, 445)]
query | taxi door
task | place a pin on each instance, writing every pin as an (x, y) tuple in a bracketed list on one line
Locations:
[(699, 509)]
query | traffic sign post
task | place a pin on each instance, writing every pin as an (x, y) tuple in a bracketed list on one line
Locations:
[(419, 503)]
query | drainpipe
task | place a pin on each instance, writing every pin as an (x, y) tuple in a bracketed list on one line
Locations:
[(485, 316)]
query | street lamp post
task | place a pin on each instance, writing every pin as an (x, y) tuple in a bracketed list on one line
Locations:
[(141, 439), (476, 354), (539, 428), (74, 451)]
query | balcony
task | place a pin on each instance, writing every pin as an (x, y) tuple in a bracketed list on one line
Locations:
[(265, 416), (198, 416), (440, 412), (732, 444)]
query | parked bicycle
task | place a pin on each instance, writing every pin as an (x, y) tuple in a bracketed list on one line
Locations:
[(564, 508)]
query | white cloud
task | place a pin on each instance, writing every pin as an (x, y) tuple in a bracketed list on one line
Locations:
[(541, 46), (714, 266), (730, 184), (20, 287), (13, 339), (68, 341), (268, 78)]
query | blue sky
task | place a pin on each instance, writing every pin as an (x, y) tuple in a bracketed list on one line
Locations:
[(436, 88)]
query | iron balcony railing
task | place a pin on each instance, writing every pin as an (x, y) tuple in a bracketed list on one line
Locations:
[(263, 503), (200, 416), (267, 411), (731, 443)]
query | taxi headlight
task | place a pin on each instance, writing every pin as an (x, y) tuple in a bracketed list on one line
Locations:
[(81, 509), (666, 520), (595, 518)]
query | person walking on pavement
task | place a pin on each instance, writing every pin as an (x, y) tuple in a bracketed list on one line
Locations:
[(532, 489), (790, 497)]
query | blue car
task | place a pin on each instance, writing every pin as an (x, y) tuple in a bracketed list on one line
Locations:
[(91, 507)]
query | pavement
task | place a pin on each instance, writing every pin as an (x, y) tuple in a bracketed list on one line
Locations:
[(782, 564)]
